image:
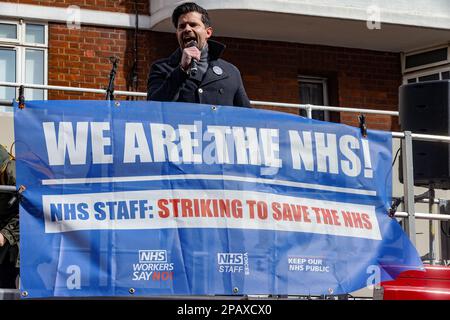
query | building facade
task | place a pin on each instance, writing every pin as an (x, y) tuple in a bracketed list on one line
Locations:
[(350, 54)]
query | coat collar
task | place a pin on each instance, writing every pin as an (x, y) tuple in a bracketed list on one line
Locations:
[(215, 50)]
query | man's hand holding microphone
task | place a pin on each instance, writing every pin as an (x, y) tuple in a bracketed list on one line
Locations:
[(191, 54)]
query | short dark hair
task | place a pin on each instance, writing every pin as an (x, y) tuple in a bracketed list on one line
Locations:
[(190, 7)]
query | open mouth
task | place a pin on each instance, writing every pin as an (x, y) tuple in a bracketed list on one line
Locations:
[(188, 39)]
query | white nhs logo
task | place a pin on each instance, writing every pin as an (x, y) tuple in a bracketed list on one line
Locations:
[(230, 258), (152, 256)]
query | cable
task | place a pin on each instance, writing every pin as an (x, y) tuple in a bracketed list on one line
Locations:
[(395, 158), (393, 162), (133, 75), (396, 201)]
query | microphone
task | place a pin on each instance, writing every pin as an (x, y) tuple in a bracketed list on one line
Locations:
[(193, 68)]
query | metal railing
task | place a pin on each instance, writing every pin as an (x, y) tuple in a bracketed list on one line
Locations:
[(70, 89), (406, 143)]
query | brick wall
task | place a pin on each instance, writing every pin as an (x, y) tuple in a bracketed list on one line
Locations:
[(124, 6), (357, 78), (80, 58)]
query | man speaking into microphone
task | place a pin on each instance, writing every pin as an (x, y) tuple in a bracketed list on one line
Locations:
[(195, 72)]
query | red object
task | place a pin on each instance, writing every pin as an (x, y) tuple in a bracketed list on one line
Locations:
[(431, 284)]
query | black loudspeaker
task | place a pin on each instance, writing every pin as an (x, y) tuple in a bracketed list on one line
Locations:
[(425, 108)]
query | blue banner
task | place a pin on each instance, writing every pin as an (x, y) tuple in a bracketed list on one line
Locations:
[(151, 198)]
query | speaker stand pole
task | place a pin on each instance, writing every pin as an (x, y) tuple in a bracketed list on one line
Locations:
[(408, 186), (431, 226)]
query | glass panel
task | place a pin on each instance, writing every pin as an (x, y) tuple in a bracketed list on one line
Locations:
[(8, 31), (412, 80), (434, 76), (35, 33), (7, 72), (446, 75), (34, 73), (312, 93), (424, 58)]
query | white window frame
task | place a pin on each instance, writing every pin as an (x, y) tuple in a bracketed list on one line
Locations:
[(426, 72), (324, 82), (20, 46), (425, 66), (8, 40), (14, 48)]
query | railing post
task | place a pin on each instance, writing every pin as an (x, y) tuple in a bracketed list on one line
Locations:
[(309, 111), (408, 185), (431, 226)]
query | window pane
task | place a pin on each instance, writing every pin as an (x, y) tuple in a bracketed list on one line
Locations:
[(8, 31), (312, 93), (446, 75), (412, 80), (35, 33), (7, 72), (34, 73), (434, 76), (423, 58)]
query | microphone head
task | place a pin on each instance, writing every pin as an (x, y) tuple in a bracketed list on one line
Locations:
[(192, 43)]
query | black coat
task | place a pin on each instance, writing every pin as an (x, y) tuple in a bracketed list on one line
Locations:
[(221, 85)]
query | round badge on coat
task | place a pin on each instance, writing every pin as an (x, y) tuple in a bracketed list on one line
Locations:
[(217, 70)]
